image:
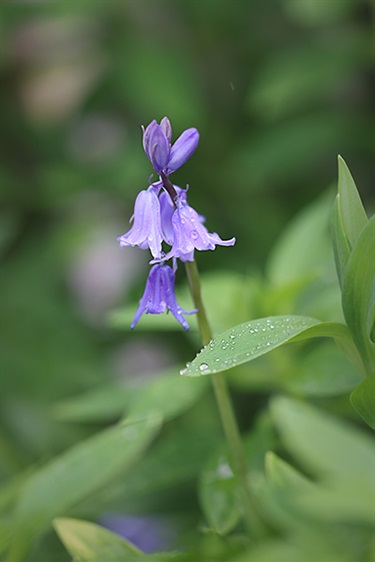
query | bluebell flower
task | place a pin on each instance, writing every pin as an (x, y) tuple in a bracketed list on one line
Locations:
[(159, 296), (162, 215), (189, 233), (164, 157), (146, 230)]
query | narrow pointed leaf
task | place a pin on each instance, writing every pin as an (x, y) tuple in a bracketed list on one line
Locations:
[(250, 340), (352, 212)]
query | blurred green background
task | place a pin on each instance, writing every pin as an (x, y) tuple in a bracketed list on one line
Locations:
[(277, 90)]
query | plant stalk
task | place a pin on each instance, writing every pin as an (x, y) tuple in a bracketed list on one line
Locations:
[(228, 419)]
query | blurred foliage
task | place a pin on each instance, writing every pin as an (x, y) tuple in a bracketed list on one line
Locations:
[(277, 89)]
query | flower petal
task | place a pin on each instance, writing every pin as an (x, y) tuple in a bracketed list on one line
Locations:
[(182, 149), (146, 138), (159, 296), (159, 149), (146, 229), (166, 213), (165, 124)]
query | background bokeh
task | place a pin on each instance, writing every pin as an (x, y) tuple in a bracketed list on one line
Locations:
[(277, 90)]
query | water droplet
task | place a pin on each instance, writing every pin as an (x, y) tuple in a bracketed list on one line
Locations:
[(194, 234), (264, 329), (203, 367), (232, 336)]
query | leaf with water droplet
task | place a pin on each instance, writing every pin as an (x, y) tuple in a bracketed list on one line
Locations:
[(253, 339)]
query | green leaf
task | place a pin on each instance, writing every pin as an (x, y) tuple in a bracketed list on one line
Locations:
[(250, 340), (341, 245), (358, 293), (327, 447), (218, 494), (73, 476), (92, 543), (348, 218), (363, 400), (353, 215)]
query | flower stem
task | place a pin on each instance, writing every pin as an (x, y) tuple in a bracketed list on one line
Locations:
[(228, 419)]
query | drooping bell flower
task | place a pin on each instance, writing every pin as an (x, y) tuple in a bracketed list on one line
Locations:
[(146, 230), (159, 296), (189, 234)]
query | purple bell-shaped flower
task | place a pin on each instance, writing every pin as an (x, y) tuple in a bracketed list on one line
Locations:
[(159, 296), (146, 230)]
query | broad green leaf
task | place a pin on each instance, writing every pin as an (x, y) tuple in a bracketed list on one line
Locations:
[(363, 400), (74, 475), (324, 445), (252, 339), (92, 543), (218, 494), (358, 293), (353, 215)]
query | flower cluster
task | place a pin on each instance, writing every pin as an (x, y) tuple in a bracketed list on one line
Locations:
[(162, 215)]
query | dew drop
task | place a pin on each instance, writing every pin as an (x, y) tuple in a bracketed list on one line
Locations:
[(203, 367), (194, 234)]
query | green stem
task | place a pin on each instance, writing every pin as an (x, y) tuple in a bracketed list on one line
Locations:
[(225, 407)]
